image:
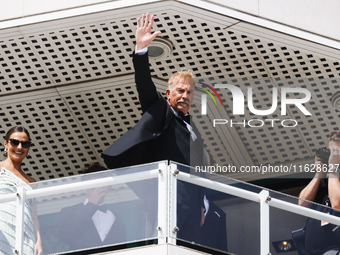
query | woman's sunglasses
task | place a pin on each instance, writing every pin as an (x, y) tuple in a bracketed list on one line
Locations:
[(24, 144)]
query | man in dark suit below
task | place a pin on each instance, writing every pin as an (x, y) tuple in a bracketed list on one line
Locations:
[(213, 226), (90, 224), (164, 132)]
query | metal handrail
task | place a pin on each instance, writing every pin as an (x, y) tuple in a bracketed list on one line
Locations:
[(71, 187)]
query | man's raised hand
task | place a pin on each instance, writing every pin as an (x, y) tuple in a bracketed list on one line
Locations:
[(143, 32)]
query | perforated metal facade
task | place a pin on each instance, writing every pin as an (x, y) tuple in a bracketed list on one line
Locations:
[(71, 83)]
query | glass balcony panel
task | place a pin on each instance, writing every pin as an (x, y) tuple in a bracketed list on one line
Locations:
[(289, 231), (70, 220), (229, 222)]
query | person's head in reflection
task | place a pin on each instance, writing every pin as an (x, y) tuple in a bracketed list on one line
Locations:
[(97, 195)]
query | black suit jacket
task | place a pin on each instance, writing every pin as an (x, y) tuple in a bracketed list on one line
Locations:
[(77, 230), (213, 233), (159, 135)]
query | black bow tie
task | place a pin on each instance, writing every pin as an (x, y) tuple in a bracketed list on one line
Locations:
[(186, 117), (102, 208)]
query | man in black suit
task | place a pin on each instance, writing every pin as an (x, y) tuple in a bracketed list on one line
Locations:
[(164, 132), (90, 224), (213, 226)]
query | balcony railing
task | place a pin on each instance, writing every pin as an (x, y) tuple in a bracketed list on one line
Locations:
[(147, 203)]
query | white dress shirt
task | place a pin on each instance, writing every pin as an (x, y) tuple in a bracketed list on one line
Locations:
[(103, 222)]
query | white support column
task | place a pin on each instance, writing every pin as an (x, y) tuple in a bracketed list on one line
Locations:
[(173, 229), (264, 223), (19, 227), (163, 226)]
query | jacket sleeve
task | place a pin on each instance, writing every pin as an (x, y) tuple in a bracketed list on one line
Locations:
[(145, 87), (72, 219)]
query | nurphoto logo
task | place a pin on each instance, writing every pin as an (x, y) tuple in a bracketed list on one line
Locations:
[(238, 105)]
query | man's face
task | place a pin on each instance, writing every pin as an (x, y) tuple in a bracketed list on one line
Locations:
[(97, 195), (334, 146), (181, 94)]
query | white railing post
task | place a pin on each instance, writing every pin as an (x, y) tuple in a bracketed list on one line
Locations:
[(264, 223), (19, 227), (173, 228), (162, 227)]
